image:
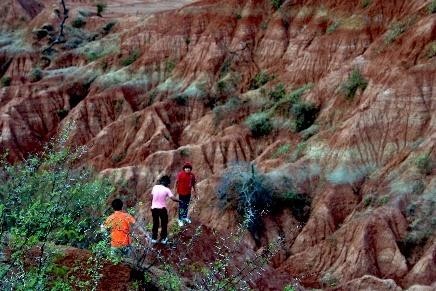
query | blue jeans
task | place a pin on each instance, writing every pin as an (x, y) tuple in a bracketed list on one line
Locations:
[(183, 206)]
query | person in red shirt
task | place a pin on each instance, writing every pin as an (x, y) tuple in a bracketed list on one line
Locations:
[(185, 182), (119, 223)]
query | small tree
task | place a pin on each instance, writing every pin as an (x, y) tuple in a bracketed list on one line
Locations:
[(355, 81), (260, 124), (100, 8)]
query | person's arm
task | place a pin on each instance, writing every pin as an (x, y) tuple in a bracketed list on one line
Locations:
[(175, 199)]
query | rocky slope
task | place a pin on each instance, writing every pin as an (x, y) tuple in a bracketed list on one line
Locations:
[(148, 88)]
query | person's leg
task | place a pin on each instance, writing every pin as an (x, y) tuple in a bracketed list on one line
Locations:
[(183, 206), (164, 221), (155, 213)]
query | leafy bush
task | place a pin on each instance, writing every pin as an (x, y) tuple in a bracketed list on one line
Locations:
[(260, 79), (181, 100), (100, 8), (259, 123), (276, 3), (432, 7), (278, 93), (305, 115), (396, 29), (45, 201), (35, 75), (169, 65), (333, 26), (130, 59), (108, 26), (424, 164), (431, 50), (282, 150), (355, 81), (224, 112), (6, 81), (78, 22), (365, 3)]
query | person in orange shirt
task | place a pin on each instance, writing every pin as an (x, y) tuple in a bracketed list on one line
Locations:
[(119, 223)]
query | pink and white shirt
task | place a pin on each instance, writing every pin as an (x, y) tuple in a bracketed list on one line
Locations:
[(160, 194)]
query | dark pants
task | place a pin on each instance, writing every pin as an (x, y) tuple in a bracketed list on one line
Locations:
[(183, 206), (162, 215)]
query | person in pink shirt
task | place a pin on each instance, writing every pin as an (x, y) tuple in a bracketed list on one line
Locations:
[(159, 211)]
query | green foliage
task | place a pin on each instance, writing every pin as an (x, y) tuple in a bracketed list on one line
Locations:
[(355, 81), (278, 93), (130, 59), (169, 65), (333, 26), (396, 29), (424, 164), (46, 201), (282, 150), (260, 79), (365, 3), (35, 75), (6, 81), (432, 7), (180, 99), (289, 288), (108, 26), (276, 3), (184, 152), (100, 8), (328, 280), (238, 15), (431, 52), (78, 22), (169, 280), (305, 114), (224, 112), (259, 124)]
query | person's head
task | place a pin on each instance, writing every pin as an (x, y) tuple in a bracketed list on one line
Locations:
[(187, 167), (117, 204), (165, 181)]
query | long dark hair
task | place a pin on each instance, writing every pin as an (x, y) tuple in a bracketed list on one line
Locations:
[(165, 181)]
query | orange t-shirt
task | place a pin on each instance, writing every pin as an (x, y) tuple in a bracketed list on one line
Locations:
[(119, 223)]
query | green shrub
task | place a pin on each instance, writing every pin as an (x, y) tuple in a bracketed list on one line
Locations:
[(355, 81), (259, 124), (260, 79), (289, 288), (130, 59), (276, 3), (333, 26), (424, 164), (100, 8), (365, 3), (181, 100), (282, 150), (224, 112), (35, 75), (432, 7), (169, 65), (278, 93), (45, 201), (396, 29), (304, 114), (78, 22), (431, 50), (6, 81), (108, 26)]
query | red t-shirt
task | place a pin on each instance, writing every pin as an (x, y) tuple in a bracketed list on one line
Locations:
[(185, 181)]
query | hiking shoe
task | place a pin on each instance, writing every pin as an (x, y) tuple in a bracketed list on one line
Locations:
[(180, 222), (164, 241), (187, 220), (153, 241)]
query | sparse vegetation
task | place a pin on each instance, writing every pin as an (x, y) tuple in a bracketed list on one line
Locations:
[(354, 82), (278, 93), (424, 164), (276, 3), (259, 124), (181, 100), (6, 81), (431, 52), (78, 22), (328, 280), (432, 7), (224, 112), (282, 150), (35, 75), (365, 3), (396, 29), (169, 65), (101, 7), (260, 79), (130, 59), (108, 26), (305, 114), (184, 152), (333, 26)]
